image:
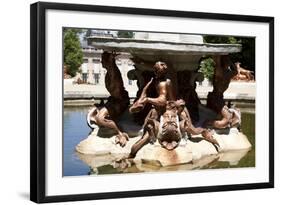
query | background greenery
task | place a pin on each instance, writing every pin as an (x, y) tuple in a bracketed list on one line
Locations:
[(246, 57), (73, 55), (125, 34)]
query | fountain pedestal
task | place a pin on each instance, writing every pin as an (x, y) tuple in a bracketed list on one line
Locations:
[(102, 151)]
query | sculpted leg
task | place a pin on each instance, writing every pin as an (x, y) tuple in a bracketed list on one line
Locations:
[(148, 137), (150, 133), (225, 121), (230, 117), (187, 123), (139, 144), (187, 126), (101, 118)]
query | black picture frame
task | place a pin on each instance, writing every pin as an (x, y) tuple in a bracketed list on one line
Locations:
[(38, 101)]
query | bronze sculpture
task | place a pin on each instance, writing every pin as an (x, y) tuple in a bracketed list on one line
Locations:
[(163, 86), (116, 104), (168, 119), (225, 70), (243, 74), (229, 117)]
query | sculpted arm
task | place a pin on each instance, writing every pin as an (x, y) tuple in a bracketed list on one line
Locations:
[(162, 98)]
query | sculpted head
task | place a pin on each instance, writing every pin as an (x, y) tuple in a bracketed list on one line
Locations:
[(169, 136), (160, 69)]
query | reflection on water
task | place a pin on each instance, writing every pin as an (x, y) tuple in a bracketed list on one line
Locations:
[(76, 129)]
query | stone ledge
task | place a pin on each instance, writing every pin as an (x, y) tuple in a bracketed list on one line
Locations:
[(145, 46)]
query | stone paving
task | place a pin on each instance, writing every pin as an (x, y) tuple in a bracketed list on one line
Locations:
[(236, 90)]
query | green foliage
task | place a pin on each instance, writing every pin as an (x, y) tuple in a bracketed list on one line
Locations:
[(125, 34), (73, 56), (207, 67), (220, 39), (246, 56)]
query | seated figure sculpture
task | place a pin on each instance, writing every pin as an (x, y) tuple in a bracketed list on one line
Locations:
[(163, 86), (168, 119), (116, 104)]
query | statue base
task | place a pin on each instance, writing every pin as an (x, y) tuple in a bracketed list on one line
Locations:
[(98, 151)]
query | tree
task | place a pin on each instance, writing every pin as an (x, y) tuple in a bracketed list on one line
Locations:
[(125, 34), (220, 39), (246, 57), (207, 66), (73, 55)]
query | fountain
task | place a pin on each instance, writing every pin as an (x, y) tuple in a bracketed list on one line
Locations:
[(167, 124)]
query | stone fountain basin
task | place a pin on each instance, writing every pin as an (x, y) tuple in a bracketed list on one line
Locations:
[(154, 47), (104, 151), (181, 55)]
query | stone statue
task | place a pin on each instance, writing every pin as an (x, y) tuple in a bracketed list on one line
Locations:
[(116, 104), (243, 74)]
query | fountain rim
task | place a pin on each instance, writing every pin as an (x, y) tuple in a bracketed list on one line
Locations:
[(144, 45)]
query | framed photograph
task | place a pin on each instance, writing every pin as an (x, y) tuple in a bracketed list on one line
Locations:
[(129, 102)]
